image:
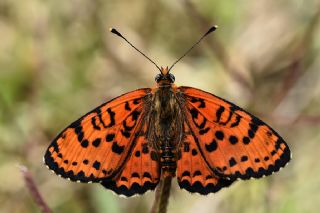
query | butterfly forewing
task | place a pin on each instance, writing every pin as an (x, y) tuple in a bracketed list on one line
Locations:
[(234, 143), (96, 146)]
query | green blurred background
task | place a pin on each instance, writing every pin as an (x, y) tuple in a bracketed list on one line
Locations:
[(58, 61)]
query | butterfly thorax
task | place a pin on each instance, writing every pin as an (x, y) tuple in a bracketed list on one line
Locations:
[(165, 127)]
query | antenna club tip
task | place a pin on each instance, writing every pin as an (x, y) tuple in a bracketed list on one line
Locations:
[(114, 31), (213, 28)]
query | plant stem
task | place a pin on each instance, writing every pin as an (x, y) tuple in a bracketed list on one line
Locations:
[(31, 185), (162, 195)]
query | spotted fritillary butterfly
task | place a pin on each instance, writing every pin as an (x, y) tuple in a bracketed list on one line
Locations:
[(129, 143)]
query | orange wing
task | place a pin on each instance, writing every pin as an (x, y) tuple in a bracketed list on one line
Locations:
[(193, 173), (96, 147), (233, 143), (140, 173)]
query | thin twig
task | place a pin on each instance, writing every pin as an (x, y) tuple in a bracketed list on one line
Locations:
[(162, 195), (157, 195), (165, 194), (34, 190)]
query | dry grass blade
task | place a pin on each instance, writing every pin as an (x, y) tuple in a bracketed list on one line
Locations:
[(31, 185)]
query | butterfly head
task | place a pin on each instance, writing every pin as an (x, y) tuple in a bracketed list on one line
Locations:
[(164, 77)]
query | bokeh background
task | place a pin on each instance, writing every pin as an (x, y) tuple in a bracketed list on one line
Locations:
[(58, 61)]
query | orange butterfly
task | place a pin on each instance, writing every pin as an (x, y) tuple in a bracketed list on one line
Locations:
[(129, 143)]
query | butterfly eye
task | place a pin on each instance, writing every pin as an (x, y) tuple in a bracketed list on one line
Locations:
[(172, 78), (157, 78)]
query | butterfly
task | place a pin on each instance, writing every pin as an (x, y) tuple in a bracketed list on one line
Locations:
[(131, 142)]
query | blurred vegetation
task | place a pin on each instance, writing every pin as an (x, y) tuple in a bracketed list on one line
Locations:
[(58, 61)]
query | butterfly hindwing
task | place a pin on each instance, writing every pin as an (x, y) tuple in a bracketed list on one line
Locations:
[(96, 146), (141, 171), (234, 143), (193, 173)]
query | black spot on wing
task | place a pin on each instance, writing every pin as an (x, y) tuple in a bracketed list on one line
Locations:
[(201, 102), (233, 139), (232, 162), (111, 117), (251, 133), (147, 175), (96, 142), (186, 173), (194, 113), (197, 173), (237, 121), (110, 137), (85, 143), (135, 114), (127, 106), (204, 131), (125, 133), (245, 140), (219, 135), (116, 148), (135, 174), (212, 146), (253, 127), (112, 120), (79, 133), (126, 127), (124, 179), (194, 152), (94, 123), (96, 165), (244, 158), (219, 113), (228, 119), (136, 101)]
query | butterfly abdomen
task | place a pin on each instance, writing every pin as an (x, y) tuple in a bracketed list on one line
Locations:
[(168, 159)]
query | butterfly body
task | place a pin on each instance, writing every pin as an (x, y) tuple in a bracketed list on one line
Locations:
[(165, 126), (129, 143)]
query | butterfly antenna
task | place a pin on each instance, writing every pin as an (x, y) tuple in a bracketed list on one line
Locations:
[(114, 31), (213, 28)]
